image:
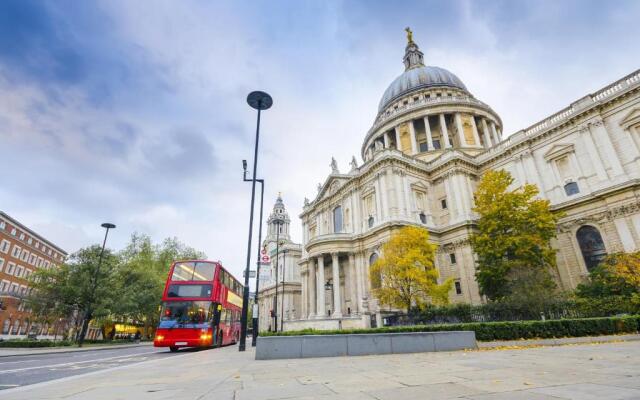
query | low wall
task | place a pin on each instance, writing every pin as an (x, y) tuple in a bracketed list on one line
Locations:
[(307, 346), (325, 324)]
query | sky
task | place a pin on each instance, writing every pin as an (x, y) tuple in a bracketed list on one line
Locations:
[(135, 113)]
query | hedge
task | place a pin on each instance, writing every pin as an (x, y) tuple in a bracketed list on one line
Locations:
[(508, 330), (504, 311)]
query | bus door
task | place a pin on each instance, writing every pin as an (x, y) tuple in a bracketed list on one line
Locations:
[(215, 325)]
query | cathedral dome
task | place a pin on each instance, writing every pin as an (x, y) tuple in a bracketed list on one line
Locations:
[(416, 78)]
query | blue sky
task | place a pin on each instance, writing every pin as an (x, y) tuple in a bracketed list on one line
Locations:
[(134, 112)]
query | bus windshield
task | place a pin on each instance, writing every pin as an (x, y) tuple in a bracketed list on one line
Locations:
[(186, 313), (193, 271)]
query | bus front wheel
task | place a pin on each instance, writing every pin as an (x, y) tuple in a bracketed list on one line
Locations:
[(173, 349)]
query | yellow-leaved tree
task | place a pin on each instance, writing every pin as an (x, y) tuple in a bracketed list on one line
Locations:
[(405, 274), (627, 267)]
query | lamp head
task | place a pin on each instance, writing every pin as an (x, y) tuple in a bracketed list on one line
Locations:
[(244, 164), (108, 225), (259, 100)]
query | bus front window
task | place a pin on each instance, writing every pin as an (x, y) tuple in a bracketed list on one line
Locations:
[(186, 313)]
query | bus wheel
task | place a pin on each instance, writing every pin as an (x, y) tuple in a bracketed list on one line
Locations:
[(173, 349)]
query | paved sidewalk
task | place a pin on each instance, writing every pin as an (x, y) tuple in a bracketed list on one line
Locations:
[(584, 372), (558, 341), (10, 352)]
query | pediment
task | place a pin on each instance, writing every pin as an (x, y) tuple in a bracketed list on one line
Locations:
[(631, 119), (331, 185), (419, 186), (559, 150)]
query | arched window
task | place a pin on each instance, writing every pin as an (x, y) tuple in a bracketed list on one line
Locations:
[(423, 218), (372, 259), (571, 188), (337, 219), (591, 246)]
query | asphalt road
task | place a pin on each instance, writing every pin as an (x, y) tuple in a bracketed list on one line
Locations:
[(26, 370)]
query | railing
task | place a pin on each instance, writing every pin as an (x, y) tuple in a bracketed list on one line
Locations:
[(564, 114)]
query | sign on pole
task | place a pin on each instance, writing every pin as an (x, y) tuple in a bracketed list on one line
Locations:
[(252, 273), (265, 259)]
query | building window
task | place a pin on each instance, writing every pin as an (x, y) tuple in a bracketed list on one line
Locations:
[(10, 268), (3, 224), (452, 258), (337, 219), (591, 246), (458, 287), (371, 221), (19, 270), (14, 231), (5, 326), (22, 236), (571, 188), (443, 204), (16, 251), (423, 147), (423, 218), (436, 144), (1, 264), (30, 240), (4, 247)]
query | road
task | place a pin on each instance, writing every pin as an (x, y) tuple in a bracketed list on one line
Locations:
[(24, 370)]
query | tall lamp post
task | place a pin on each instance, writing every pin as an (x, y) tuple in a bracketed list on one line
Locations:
[(254, 314), (89, 312), (260, 101)]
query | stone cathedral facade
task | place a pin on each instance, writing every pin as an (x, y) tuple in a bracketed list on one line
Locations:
[(429, 145)]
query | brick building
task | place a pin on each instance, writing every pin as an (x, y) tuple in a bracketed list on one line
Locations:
[(22, 251)]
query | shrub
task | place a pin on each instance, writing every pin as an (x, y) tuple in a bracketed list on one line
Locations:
[(506, 330)]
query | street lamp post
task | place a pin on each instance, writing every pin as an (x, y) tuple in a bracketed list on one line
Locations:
[(89, 312), (254, 314), (284, 265), (260, 101)]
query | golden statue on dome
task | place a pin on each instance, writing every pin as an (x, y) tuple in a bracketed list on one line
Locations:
[(409, 35)]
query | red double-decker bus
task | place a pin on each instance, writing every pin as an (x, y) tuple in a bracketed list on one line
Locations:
[(201, 306)]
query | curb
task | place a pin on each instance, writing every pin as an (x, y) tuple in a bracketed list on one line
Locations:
[(72, 350), (558, 341)]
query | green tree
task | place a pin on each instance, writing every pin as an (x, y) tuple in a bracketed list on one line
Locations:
[(405, 274), (513, 237), (141, 275), (76, 287)]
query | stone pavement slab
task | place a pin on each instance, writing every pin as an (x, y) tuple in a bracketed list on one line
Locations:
[(584, 371)]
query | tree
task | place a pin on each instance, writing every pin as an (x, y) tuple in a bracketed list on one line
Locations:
[(405, 274), (626, 266), (76, 286), (513, 237), (603, 282), (141, 275)]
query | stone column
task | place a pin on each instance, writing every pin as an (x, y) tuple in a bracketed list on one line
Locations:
[(385, 198), (321, 311), (474, 129), (402, 206), (496, 138), (312, 296), (357, 213), (386, 140), (379, 208), (461, 139), (444, 132), (485, 132), (398, 146), (414, 141), (303, 285), (353, 285), (337, 304), (601, 136), (594, 156), (427, 129)]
